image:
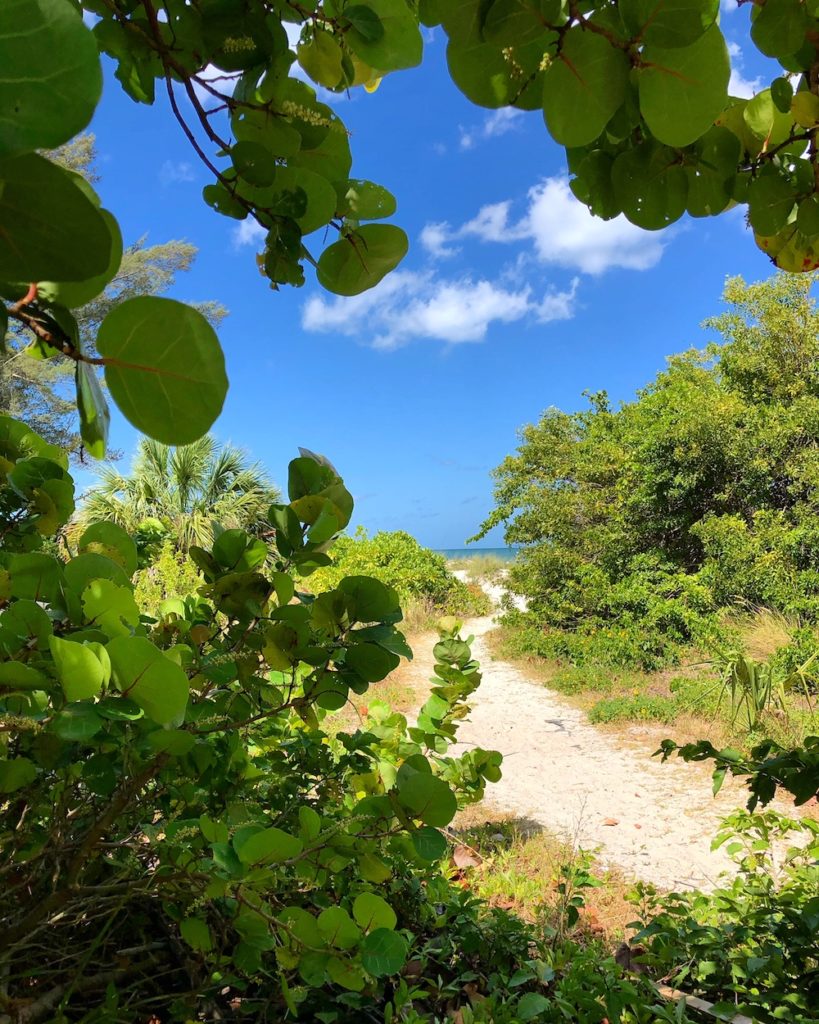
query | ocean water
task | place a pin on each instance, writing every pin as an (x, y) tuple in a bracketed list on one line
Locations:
[(507, 554)]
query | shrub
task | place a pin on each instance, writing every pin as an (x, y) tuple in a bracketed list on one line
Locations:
[(169, 574), (398, 560), (750, 946), (634, 708)]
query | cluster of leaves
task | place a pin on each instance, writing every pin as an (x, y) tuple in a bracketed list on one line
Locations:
[(397, 559), (769, 767), (752, 946), (637, 92), (176, 828), (641, 523)]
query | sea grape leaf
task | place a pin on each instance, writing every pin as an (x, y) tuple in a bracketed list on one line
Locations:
[(141, 672), (399, 45), (51, 231), (684, 89), (95, 416), (52, 78), (361, 259), (583, 87), (383, 952), (371, 911), (79, 669), (113, 542), (668, 23), (164, 367)]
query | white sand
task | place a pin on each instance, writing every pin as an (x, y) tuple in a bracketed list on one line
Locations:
[(562, 772)]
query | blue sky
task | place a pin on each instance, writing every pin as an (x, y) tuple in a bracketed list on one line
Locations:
[(512, 298)]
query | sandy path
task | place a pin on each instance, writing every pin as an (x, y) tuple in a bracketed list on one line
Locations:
[(572, 778)]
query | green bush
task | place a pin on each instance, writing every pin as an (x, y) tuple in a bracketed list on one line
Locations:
[(640, 524), (635, 708), (169, 574), (415, 572), (751, 945)]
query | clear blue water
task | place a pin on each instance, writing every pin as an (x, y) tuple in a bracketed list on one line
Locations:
[(507, 554)]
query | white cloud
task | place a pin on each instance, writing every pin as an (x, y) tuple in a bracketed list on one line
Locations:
[(248, 232), (172, 172), (498, 122), (407, 306), (561, 230), (739, 85), (435, 239)]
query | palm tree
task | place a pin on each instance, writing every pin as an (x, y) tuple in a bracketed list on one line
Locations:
[(191, 491)]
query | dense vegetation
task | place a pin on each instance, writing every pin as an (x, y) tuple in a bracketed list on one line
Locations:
[(422, 579), (642, 524), (179, 837)]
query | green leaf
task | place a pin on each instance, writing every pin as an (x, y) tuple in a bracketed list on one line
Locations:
[(164, 367), (110, 607), (361, 259), (383, 952), (95, 416), (668, 23), (52, 78), (72, 294), (683, 90), (428, 797), (765, 121), (195, 932), (77, 722), (80, 571), (18, 676), (370, 600), (429, 843), (531, 1005), (363, 200), (79, 669), (18, 441), (365, 21), (337, 928), (36, 577), (371, 662), (782, 94), (771, 197), (322, 58), (141, 672), (583, 87), (514, 22), (778, 27), (398, 46), (254, 162), (16, 773), (650, 184), (267, 846), (51, 231), (113, 542), (371, 911)]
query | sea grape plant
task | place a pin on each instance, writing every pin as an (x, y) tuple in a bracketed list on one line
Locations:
[(167, 786), (636, 90)]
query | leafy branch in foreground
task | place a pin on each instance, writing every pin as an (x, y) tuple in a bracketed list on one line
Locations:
[(637, 92)]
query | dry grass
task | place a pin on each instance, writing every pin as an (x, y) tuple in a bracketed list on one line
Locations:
[(522, 865), (480, 567), (763, 631)]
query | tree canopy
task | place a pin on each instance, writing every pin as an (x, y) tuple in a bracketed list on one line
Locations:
[(639, 522), (188, 495), (636, 92)]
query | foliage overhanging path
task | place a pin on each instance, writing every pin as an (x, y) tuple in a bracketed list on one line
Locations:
[(562, 772)]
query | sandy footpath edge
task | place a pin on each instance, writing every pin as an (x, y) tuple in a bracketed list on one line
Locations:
[(654, 820)]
